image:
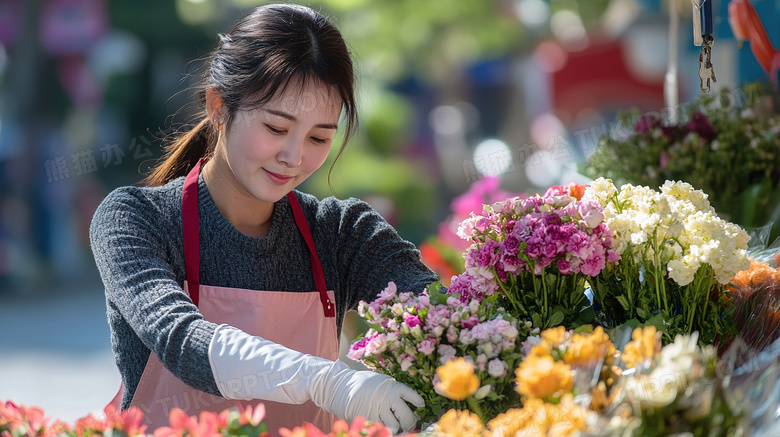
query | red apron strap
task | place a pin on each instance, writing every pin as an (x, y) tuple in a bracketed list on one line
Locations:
[(190, 225), (316, 267)]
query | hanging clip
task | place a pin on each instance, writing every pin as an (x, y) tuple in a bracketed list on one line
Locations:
[(696, 14), (706, 72)]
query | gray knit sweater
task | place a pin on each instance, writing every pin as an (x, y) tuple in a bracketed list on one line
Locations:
[(136, 239)]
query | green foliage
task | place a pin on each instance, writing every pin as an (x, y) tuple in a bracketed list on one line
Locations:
[(739, 168)]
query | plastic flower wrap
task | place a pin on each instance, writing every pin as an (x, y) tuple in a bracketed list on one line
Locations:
[(677, 256), (534, 256), (756, 302), (410, 336), (680, 391)]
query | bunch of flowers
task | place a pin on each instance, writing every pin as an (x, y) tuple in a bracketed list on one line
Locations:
[(359, 428), (557, 364), (410, 336), (535, 256), (677, 256), (575, 383), (756, 302), (679, 391), (24, 421), (727, 145)]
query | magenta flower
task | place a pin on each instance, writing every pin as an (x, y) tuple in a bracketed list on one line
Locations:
[(647, 123), (469, 322), (412, 321)]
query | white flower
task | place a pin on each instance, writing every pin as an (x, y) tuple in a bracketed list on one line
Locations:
[(497, 368), (487, 348), (446, 351), (397, 309), (600, 190), (482, 361), (417, 333), (681, 272), (406, 363), (482, 392)]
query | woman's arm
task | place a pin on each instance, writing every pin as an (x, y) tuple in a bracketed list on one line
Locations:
[(371, 254), (129, 245)]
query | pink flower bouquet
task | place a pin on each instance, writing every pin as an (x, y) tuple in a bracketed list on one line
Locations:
[(411, 335), (533, 256)]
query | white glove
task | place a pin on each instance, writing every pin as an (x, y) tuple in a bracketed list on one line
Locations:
[(249, 367)]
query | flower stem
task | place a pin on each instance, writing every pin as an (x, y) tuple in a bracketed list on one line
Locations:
[(476, 409)]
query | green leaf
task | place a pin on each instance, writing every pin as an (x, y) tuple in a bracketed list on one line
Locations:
[(623, 302), (587, 316), (536, 319), (556, 319), (551, 280), (583, 329), (641, 313)]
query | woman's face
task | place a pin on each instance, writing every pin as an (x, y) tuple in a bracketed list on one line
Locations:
[(273, 148)]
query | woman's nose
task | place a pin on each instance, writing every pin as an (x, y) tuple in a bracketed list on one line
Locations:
[(292, 152)]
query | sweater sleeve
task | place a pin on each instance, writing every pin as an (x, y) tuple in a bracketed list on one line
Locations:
[(129, 246), (371, 254)]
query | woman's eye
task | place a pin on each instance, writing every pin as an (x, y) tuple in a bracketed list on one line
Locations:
[(275, 130), (319, 140)]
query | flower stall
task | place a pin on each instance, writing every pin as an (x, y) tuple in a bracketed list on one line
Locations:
[(590, 310)]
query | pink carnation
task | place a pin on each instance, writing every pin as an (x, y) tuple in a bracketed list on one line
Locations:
[(412, 321)]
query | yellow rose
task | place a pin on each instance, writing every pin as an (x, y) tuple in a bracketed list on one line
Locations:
[(459, 423), (554, 335), (540, 377), (643, 346), (458, 380), (586, 348)]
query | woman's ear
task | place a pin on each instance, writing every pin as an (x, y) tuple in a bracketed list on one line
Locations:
[(214, 106)]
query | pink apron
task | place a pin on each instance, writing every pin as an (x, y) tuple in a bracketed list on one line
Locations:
[(303, 321)]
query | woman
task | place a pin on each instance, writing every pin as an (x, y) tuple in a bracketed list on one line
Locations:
[(208, 270)]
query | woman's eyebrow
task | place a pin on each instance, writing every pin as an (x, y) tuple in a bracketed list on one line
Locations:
[(292, 118)]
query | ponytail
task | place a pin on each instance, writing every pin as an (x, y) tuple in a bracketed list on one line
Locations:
[(183, 153)]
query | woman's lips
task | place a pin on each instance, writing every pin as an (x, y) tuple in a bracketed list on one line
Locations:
[(277, 178)]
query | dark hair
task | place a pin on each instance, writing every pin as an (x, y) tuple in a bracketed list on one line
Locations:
[(265, 51)]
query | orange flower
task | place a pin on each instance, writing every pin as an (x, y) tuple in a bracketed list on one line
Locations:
[(252, 417), (459, 423), (305, 430), (541, 377), (554, 335), (759, 274), (645, 345), (86, 425), (130, 421), (576, 190), (587, 348), (538, 418), (432, 258), (458, 380)]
